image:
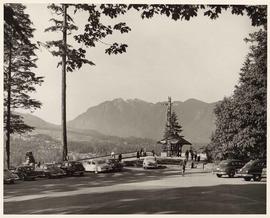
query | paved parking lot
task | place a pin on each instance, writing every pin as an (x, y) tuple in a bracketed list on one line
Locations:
[(137, 191)]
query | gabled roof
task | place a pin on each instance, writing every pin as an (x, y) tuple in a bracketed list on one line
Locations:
[(175, 140)]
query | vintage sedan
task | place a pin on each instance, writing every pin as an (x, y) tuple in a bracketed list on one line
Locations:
[(150, 162), (229, 167), (9, 177), (115, 165), (253, 170), (97, 166), (51, 170), (26, 172), (72, 168)]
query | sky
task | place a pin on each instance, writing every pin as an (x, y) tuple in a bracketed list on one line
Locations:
[(200, 58)]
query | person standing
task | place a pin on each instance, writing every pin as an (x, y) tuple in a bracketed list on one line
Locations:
[(184, 167), (191, 154), (187, 154), (120, 157)]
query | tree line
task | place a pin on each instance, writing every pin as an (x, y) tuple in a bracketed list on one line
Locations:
[(19, 47)]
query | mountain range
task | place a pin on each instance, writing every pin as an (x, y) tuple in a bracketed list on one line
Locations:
[(138, 118), (143, 119)]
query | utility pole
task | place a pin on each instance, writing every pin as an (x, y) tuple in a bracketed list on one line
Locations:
[(64, 57)]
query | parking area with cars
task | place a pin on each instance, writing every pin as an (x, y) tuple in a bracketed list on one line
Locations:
[(135, 190)]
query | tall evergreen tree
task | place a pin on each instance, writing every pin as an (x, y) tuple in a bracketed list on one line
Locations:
[(173, 129), (94, 31), (241, 119), (19, 80)]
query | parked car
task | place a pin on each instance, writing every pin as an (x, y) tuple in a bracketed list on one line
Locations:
[(115, 165), (72, 168), (26, 173), (263, 175), (9, 177), (150, 162), (229, 167), (51, 170), (253, 170), (97, 166)]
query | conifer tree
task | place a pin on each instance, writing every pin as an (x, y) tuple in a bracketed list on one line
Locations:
[(241, 119), (19, 79), (94, 31), (174, 128)]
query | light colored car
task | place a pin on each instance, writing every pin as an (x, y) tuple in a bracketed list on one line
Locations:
[(96, 166), (150, 162), (9, 177)]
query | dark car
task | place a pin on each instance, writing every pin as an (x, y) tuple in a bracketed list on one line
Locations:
[(51, 170), (72, 168), (26, 172), (229, 167), (115, 165), (253, 170), (9, 177)]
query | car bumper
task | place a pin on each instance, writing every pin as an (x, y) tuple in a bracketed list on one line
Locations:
[(8, 181), (245, 175), (150, 166), (221, 172)]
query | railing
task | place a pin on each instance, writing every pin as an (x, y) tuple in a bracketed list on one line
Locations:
[(124, 155)]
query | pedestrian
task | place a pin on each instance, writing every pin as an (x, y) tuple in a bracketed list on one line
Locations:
[(141, 152), (187, 154), (191, 154), (120, 157), (184, 166), (138, 155)]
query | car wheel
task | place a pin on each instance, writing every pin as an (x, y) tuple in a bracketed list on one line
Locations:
[(219, 175), (257, 178), (23, 177), (247, 178), (231, 174)]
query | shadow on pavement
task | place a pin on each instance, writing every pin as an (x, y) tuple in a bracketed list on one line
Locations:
[(221, 199)]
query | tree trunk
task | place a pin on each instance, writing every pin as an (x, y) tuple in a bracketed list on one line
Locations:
[(64, 125), (8, 126)]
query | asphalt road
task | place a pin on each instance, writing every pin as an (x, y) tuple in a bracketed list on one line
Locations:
[(137, 191)]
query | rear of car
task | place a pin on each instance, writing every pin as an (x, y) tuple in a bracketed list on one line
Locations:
[(253, 170), (26, 173), (228, 167), (115, 165), (150, 163), (52, 171), (9, 177), (73, 168), (102, 166)]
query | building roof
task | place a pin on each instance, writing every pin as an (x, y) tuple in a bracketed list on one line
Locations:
[(175, 140)]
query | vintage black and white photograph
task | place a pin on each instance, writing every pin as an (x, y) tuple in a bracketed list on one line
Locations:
[(134, 109)]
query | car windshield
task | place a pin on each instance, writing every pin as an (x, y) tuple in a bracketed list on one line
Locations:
[(224, 163), (250, 163), (101, 161)]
